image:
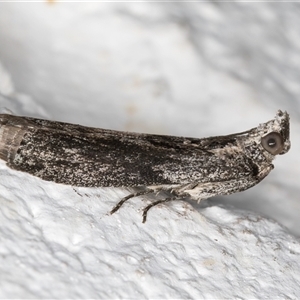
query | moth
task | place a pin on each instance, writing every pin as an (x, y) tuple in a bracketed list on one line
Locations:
[(182, 166)]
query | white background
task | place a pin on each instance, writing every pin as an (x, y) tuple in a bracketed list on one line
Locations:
[(192, 69)]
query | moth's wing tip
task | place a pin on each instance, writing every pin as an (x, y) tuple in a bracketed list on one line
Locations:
[(12, 131)]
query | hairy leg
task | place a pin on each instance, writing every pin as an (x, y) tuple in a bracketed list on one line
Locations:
[(145, 210), (123, 200)]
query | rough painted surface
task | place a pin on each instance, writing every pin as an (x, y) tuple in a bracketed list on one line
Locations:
[(57, 242), (166, 68)]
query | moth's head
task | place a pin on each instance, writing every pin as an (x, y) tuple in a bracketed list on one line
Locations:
[(275, 134)]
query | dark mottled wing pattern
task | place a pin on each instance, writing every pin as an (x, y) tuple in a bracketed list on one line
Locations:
[(83, 156)]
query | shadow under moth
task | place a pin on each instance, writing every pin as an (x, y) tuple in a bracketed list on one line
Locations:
[(184, 167)]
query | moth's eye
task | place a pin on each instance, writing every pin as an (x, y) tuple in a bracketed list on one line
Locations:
[(273, 143)]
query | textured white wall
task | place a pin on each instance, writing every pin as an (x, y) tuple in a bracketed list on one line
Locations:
[(194, 69)]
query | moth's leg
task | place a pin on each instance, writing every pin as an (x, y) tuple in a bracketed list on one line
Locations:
[(242, 184), (145, 210), (200, 191), (181, 189), (178, 191), (123, 200), (211, 189)]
